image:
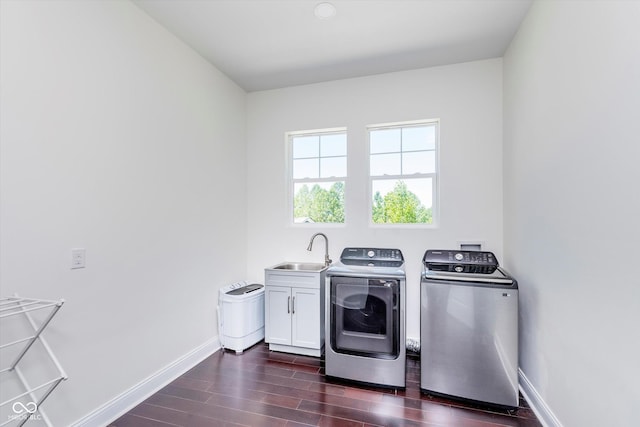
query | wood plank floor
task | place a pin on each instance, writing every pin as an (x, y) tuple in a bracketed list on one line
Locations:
[(263, 388)]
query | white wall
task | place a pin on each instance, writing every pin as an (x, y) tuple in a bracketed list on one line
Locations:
[(468, 100), (116, 138), (572, 205)]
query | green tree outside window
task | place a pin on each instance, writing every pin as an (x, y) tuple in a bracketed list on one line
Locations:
[(400, 206)]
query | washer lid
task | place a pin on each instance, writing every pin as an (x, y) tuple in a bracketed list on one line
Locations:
[(245, 289), (497, 277)]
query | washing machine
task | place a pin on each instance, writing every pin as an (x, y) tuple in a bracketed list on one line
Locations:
[(241, 315), (468, 328)]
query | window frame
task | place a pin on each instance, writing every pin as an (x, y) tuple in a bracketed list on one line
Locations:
[(291, 181), (434, 176)]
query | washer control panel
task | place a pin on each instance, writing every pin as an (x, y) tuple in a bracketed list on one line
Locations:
[(460, 261), (372, 257)]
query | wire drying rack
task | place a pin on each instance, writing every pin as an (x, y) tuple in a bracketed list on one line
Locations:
[(21, 412)]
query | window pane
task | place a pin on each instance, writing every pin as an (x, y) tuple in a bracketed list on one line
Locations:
[(385, 164), (431, 137), (319, 202), (418, 138), (333, 145), (315, 158), (306, 146), (333, 166), (407, 201), (418, 162), (305, 168), (384, 140)]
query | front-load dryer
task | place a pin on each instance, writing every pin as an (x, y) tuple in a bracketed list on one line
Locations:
[(365, 317)]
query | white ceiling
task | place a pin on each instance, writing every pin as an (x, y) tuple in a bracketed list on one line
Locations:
[(267, 44)]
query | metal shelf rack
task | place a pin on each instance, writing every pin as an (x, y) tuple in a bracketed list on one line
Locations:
[(30, 332)]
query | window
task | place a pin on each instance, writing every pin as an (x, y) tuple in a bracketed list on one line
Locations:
[(318, 173), (403, 170)]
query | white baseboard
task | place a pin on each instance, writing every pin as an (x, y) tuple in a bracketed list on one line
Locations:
[(127, 400), (537, 403)]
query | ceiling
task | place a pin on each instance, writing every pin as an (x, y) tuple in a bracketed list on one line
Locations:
[(267, 44)]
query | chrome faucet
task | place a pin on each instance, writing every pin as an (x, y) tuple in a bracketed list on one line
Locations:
[(327, 260)]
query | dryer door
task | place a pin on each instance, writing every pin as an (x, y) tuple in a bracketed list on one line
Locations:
[(365, 316)]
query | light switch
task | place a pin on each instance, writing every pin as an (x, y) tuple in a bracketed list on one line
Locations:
[(78, 258)]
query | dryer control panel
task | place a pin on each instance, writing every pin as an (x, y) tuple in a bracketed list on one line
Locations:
[(460, 261), (373, 257)]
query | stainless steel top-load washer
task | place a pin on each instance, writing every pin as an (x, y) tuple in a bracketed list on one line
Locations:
[(365, 317), (468, 327)]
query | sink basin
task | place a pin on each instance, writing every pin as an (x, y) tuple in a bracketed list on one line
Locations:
[(300, 266)]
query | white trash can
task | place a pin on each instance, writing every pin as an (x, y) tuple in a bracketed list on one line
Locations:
[(241, 315)]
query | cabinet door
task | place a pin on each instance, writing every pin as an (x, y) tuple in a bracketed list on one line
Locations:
[(277, 315), (305, 321)]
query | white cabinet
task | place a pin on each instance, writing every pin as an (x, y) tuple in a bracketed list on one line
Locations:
[(305, 319), (294, 311), (277, 315)]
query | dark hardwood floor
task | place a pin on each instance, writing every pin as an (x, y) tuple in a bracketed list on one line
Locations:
[(263, 388)]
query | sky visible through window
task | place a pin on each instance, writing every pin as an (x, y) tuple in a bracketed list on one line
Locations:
[(320, 156), (405, 151), (319, 173)]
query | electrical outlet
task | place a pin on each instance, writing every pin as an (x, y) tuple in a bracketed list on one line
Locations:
[(78, 258)]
